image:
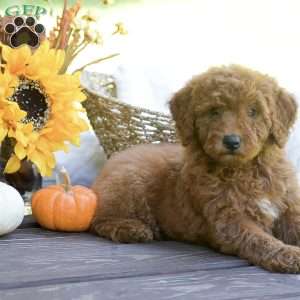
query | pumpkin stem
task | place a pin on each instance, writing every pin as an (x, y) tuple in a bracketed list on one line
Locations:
[(66, 179)]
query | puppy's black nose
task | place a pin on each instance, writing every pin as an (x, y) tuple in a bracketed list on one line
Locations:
[(232, 142)]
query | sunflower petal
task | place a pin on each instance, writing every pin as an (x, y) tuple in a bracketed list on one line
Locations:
[(13, 165), (6, 52), (20, 151), (17, 59), (21, 138), (39, 160), (3, 133)]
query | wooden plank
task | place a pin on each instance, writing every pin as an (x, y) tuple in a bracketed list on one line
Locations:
[(26, 261), (33, 233), (247, 283)]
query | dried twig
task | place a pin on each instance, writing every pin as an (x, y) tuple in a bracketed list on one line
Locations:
[(96, 61)]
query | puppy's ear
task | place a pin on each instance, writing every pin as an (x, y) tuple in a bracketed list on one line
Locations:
[(283, 116), (183, 114)]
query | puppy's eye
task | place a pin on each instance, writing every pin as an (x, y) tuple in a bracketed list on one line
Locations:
[(252, 112), (214, 112)]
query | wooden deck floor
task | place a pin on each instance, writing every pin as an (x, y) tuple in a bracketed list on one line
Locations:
[(39, 264)]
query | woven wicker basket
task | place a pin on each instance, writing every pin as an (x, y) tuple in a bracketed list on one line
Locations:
[(119, 125)]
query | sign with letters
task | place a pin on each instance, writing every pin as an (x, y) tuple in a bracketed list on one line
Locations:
[(25, 10)]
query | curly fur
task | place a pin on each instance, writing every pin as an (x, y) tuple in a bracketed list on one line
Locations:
[(244, 203)]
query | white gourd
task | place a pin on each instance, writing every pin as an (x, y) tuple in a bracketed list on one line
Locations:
[(11, 208)]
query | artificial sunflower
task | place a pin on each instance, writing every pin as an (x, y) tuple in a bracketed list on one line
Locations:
[(40, 109)]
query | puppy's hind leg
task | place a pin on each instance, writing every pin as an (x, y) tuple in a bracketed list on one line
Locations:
[(126, 190), (123, 230), (123, 218)]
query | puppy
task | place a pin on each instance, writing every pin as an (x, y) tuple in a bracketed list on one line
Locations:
[(228, 185)]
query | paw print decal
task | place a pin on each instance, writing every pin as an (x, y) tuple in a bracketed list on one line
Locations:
[(22, 30)]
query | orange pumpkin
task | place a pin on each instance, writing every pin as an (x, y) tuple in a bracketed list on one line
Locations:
[(64, 207)]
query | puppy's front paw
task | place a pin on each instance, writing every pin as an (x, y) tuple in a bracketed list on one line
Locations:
[(286, 260)]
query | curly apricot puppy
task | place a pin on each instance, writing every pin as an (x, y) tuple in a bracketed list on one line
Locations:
[(229, 186)]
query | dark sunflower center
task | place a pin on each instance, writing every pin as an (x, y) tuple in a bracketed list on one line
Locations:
[(32, 98)]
